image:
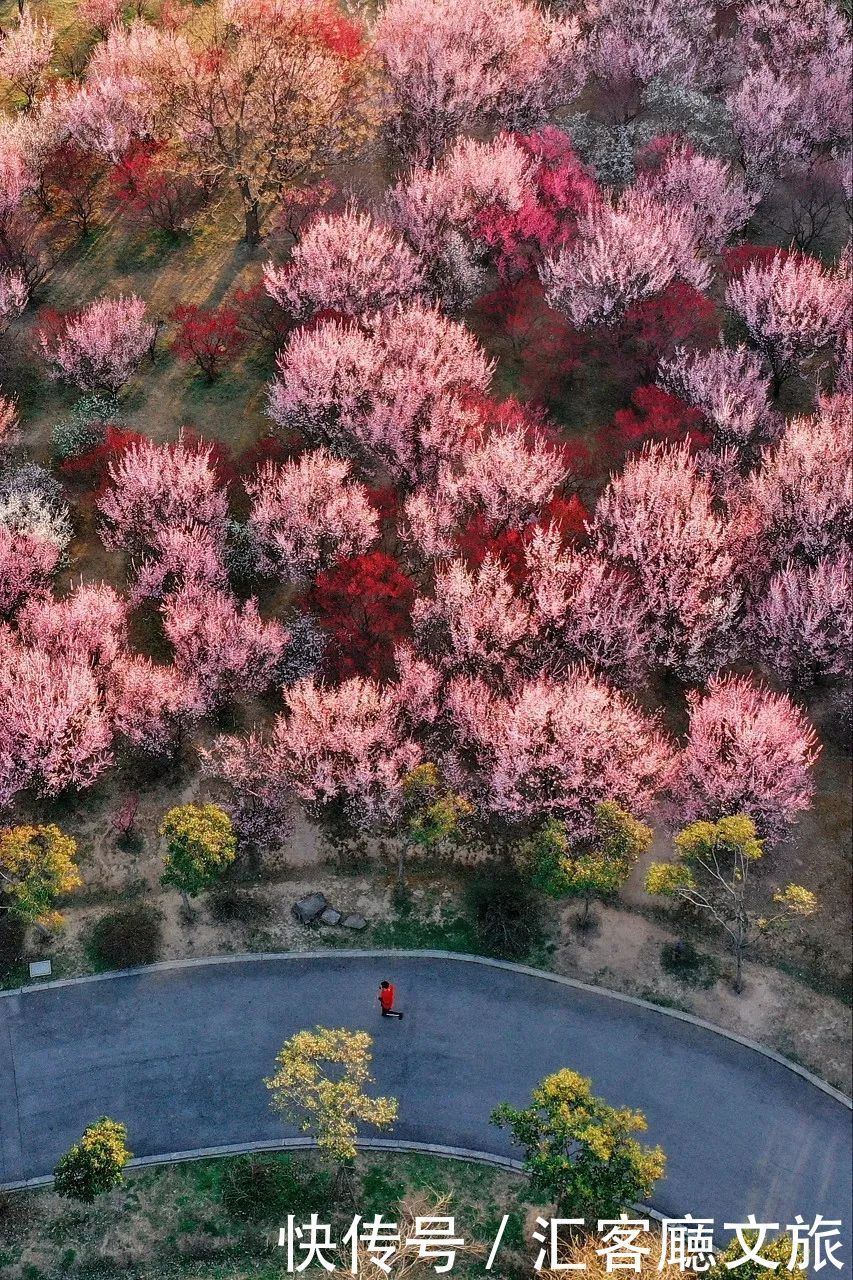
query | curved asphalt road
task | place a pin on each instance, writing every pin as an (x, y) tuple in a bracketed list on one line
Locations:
[(179, 1055)]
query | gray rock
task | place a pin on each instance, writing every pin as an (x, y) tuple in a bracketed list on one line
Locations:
[(308, 909), (331, 916), (354, 922)]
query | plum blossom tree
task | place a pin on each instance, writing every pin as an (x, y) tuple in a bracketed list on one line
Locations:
[(26, 53), (627, 249), (347, 263), (793, 308), (99, 14), (308, 513), (100, 347), (474, 622), (706, 187), (553, 748), (181, 555), (148, 707), (221, 649), (731, 387), (26, 565), (657, 521), (749, 751), (13, 297), (154, 487), (390, 392), (801, 495), (104, 117), (508, 62), (90, 623), (54, 729), (802, 627), (8, 421)]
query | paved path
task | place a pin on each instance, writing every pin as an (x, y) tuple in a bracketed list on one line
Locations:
[(179, 1055)]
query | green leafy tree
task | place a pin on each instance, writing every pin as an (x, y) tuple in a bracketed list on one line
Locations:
[(594, 869), (201, 845), (431, 814), (711, 872), (320, 1084), (36, 866), (579, 1150), (95, 1164)]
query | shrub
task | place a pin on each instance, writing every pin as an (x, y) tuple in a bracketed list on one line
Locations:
[(267, 1188), (12, 938), (506, 914), (124, 939), (239, 906)]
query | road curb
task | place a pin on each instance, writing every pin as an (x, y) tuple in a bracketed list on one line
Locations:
[(166, 966), (390, 1145)]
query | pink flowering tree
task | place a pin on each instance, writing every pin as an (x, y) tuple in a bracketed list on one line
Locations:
[(26, 52), (553, 748), (90, 623), (181, 555), (99, 14), (27, 563), (55, 732), (148, 704), (100, 347), (157, 487), (221, 649), (391, 392), (308, 513), (627, 249), (450, 68), (799, 500), (8, 421), (706, 188), (794, 310), (346, 263), (730, 386), (802, 626), (13, 297), (656, 520), (104, 117), (260, 803), (474, 622), (748, 751)]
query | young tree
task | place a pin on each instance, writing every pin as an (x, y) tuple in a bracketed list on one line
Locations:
[(802, 627), (321, 1084), (794, 310), (627, 249), (307, 514), (209, 336), (99, 348), (579, 1150), (37, 865), (507, 62), (266, 93), (364, 605), (749, 751), (75, 183), (595, 868), (346, 263), (711, 873), (95, 1164), (201, 846), (26, 53), (13, 297), (431, 814), (657, 521), (391, 391)]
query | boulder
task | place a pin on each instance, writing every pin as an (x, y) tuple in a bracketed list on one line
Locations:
[(354, 921), (331, 916), (310, 908)]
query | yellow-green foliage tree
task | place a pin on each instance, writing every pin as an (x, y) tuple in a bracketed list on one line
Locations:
[(320, 1084), (579, 1150), (36, 866), (431, 814), (711, 871), (200, 844), (594, 869), (95, 1164)]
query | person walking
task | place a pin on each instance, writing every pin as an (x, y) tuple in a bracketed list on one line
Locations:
[(386, 1001)]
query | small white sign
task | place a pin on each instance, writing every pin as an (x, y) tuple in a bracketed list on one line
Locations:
[(40, 969)]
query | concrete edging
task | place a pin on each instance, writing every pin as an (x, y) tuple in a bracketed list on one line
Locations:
[(386, 953)]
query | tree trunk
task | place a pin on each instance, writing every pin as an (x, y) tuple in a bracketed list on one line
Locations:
[(188, 910), (401, 867), (251, 213)]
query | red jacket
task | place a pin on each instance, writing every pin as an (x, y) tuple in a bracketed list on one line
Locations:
[(386, 997)]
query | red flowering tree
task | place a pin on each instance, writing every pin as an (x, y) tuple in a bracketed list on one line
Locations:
[(209, 336), (365, 605)]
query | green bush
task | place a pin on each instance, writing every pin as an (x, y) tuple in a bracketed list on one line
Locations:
[(83, 429), (267, 1188), (505, 913), (124, 939)]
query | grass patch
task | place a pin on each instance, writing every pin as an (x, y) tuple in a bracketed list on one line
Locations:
[(125, 939), (682, 961)]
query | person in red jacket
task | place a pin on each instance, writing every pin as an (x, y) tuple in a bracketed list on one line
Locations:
[(386, 1001)]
